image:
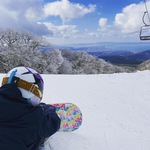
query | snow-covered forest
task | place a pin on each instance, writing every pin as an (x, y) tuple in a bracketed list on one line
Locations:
[(18, 48)]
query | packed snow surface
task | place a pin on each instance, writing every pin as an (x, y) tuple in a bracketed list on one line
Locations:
[(115, 107)]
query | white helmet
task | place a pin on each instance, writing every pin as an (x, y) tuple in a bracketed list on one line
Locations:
[(28, 81)]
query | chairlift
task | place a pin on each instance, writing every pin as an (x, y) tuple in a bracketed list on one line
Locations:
[(145, 32)]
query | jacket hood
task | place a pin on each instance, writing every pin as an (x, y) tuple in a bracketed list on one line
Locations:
[(12, 104)]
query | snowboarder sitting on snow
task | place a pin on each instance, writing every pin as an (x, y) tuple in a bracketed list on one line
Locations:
[(24, 122)]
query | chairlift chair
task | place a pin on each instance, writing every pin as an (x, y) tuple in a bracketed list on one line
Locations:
[(145, 32)]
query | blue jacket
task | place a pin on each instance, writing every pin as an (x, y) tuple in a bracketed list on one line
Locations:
[(22, 126)]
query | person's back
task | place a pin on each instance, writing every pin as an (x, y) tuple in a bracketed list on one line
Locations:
[(24, 122)]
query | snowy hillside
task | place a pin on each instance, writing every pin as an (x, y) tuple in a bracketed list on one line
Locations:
[(116, 110)]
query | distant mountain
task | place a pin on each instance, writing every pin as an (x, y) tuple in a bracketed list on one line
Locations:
[(129, 53), (111, 53), (123, 57), (145, 55), (111, 46)]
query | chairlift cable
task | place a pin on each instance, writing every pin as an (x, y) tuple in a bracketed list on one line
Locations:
[(146, 12), (145, 35)]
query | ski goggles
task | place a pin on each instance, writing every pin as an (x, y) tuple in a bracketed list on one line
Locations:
[(38, 80), (35, 87), (24, 85)]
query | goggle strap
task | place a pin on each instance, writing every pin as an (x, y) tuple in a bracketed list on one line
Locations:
[(27, 86)]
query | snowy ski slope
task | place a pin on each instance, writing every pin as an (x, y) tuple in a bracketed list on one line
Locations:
[(115, 107), (116, 110)]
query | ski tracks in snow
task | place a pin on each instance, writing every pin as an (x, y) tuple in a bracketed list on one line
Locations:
[(68, 141), (115, 109)]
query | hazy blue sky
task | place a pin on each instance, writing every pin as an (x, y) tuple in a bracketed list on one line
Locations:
[(76, 21)]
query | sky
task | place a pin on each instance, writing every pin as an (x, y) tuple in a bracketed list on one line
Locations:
[(64, 22)]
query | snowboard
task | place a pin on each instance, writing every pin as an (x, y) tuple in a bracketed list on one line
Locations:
[(70, 116)]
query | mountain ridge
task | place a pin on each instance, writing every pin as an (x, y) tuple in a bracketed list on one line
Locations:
[(123, 57)]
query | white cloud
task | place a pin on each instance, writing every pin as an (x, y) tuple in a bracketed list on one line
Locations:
[(68, 34), (25, 14), (130, 19), (102, 22), (126, 25), (5, 13), (61, 31), (22, 14), (31, 14), (67, 10)]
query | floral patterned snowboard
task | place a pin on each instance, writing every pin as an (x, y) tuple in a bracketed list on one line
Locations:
[(70, 115)]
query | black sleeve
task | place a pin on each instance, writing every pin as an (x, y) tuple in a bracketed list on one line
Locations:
[(51, 121)]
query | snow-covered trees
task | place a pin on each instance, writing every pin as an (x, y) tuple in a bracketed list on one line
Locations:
[(51, 61), (83, 63), (19, 48), (22, 48), (19, 39), (144, 66)]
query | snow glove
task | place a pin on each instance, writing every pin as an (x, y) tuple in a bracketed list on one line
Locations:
[(54, 124), (50, 112), (47, 108)]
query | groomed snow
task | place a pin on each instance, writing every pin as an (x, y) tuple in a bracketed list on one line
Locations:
[(115, 107)]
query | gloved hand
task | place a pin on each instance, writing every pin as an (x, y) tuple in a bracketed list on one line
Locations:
[(52, 117), (47, 108)]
